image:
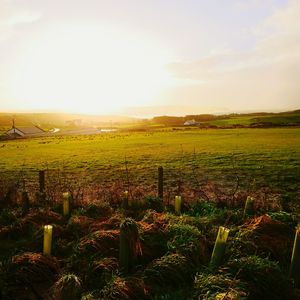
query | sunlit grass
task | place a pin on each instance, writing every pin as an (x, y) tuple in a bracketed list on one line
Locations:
[(270, 156)]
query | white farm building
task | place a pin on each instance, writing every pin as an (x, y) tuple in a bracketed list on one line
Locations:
[(190, 123)]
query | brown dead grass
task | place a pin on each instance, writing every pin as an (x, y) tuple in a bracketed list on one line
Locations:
[(31, 273), (102, 243), (269, 236)]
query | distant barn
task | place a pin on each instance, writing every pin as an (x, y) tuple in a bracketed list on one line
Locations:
[(191, 123), (31, 131)]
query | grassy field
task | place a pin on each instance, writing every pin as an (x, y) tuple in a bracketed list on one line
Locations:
[(281, 119), (169, 253), (268, 157)]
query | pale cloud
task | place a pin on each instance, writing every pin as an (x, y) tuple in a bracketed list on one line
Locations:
[(12, 15), (21, 17), (282, 45), (283, 21), (254, 4), (244, 54), (269, 73)]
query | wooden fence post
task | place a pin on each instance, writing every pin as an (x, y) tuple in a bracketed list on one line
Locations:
[(160, 182), (25, 202), (66, 204), (41, 195), (125, 201), (42, 181)]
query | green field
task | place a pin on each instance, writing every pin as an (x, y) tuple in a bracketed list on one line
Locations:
[(258, 157), (280, 119), (173, 256)]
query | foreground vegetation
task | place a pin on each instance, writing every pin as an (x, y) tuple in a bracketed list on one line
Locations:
[(169, 256)]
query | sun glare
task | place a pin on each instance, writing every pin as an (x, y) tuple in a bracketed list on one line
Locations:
[(89, 69)]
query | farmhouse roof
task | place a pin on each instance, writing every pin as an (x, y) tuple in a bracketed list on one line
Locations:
[(30, 130)]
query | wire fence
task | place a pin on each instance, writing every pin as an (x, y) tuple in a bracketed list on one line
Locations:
[(193, 183)]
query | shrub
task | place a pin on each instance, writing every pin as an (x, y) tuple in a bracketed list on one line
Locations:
[(169, 271), (209, 286), (67, 287), (101, 271), (120, 288), (79, 225), (189, 241), (215, 215), (264, 237), (202, 209), (7, 216), (284, 217), (31, 274), (98, 209), (263, 278), (154, 203), (100, 243)]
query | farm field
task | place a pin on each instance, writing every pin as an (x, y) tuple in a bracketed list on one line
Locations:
[(280, 119), (111, 246), (267, 157)]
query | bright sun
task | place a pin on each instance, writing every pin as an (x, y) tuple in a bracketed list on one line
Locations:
[(89, 69)]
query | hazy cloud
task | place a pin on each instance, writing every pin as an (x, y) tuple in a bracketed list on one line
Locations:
[(224, 55), (269, 72), (254, 4), (12, 15), (21, 17)]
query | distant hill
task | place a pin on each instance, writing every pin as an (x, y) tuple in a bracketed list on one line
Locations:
[(247, 119), (50, 120), (75, 121)]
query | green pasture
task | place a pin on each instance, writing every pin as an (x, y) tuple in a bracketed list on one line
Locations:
[(264, 157), (232, 121), (280, 119)]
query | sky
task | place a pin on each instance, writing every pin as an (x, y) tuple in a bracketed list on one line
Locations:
[(149, 57)]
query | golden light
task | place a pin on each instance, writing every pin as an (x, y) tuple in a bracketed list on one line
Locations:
[(89, 69)]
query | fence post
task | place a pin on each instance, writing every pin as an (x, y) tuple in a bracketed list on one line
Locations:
[(42, 181), (41, 195), (125, 200), (160, 182), (66, 204), (25, 202)]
